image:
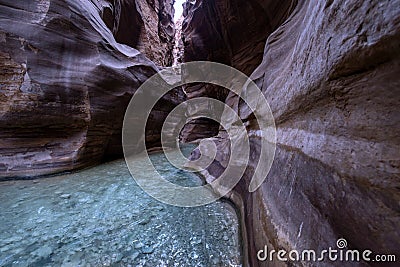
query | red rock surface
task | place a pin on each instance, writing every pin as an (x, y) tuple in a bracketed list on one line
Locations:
[(329, 70), (66, 81), (229, 32), (146, 25)]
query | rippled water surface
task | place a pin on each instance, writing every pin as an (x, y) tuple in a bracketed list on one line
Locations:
[(100, 217)]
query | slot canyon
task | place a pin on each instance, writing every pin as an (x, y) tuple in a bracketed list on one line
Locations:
[(329, 70)]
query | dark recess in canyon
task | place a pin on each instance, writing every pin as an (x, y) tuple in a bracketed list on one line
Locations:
[(329, 70)]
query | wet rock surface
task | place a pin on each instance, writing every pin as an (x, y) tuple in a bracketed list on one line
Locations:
[(329, 72), (100, 217), (65, 81)]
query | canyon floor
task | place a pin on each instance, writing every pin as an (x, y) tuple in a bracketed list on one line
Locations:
[(101, 217)]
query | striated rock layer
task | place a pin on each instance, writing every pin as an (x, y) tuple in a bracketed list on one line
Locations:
[(329, 70), (230, 32), (146, 25), (66, 81)]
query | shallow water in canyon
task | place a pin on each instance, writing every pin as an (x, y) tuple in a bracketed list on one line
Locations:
[(101, 217)]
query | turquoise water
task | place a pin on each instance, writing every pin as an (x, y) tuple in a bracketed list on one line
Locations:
[(100, 217)]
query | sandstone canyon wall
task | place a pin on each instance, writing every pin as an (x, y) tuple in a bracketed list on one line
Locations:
[(329, 70), (229, 32), (68, 71), (146, 25)]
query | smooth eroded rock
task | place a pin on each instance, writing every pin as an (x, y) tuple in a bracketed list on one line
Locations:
[(66, 81), (330, 74)]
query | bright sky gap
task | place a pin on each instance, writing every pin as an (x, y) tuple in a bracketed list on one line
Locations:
[(178, 9)]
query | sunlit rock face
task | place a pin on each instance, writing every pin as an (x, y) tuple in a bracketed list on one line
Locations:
[(144, 24), (329, 71), (65, 81), (178, 47)]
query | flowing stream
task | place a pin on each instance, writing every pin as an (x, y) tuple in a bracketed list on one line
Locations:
[(101, 217)]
